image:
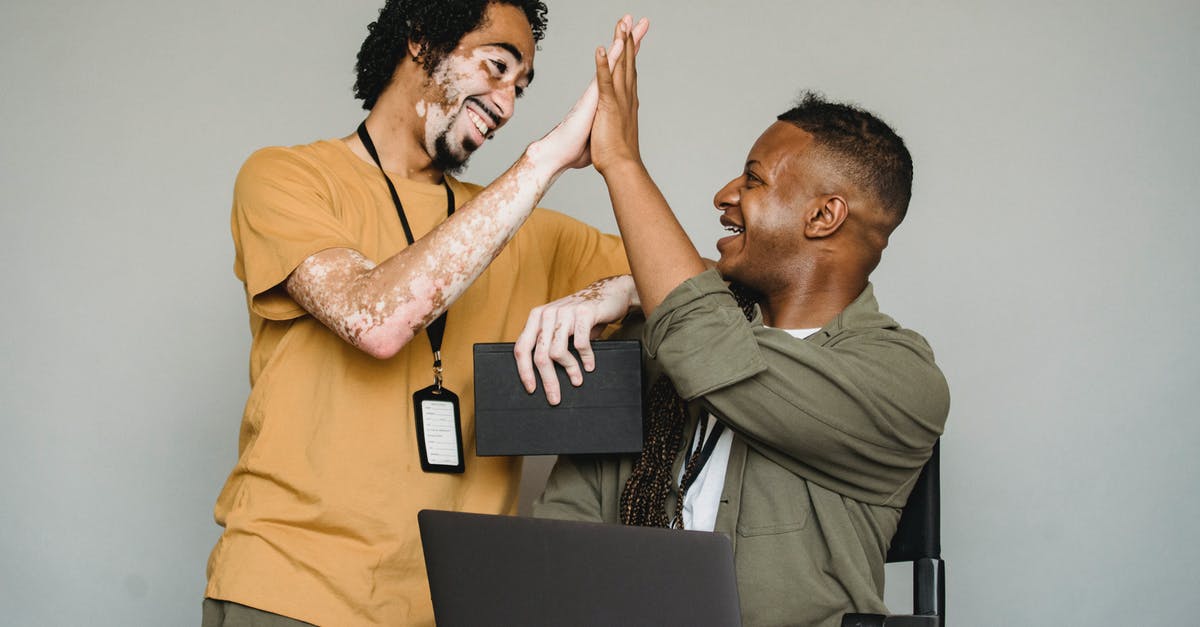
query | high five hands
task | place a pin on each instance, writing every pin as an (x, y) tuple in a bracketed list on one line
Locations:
[(567, 145)]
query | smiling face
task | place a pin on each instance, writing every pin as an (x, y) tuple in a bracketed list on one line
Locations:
[(764, 209), (473, 91)]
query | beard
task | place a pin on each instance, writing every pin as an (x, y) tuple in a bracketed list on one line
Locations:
[(444, 157)]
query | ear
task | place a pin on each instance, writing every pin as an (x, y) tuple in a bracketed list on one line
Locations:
[(415, 49), (825, 216)]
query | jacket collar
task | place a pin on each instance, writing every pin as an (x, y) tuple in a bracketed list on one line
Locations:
[(862, 313)]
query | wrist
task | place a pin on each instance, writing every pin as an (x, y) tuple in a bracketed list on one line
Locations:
[(633, 302), (622, 168), (542, 161)]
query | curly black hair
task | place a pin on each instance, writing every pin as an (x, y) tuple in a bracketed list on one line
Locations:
[(862, 146), (438, 25)]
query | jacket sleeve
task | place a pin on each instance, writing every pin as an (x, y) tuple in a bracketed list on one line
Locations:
[(856, 411), (573, 490)]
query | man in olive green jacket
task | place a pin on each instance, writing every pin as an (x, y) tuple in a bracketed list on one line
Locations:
[(830, 407)]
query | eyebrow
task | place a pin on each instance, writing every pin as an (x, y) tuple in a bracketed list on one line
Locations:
[(516, 55)]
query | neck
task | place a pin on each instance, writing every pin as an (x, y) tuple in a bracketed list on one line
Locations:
[(812, 300), (401, 149)]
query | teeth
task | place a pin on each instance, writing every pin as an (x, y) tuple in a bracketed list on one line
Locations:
[(735, 229), (478, 122)]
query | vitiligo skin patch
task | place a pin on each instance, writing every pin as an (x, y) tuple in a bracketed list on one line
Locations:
[(379, 308)]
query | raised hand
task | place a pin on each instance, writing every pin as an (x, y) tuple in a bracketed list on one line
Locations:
[(566, 146), (571, 321), (615, 126)]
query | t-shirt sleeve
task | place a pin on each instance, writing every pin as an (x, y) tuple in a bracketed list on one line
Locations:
[(579, 254), (282, 214)]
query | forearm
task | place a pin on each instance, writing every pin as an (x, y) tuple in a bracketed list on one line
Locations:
[(660, 254), (380, 308)]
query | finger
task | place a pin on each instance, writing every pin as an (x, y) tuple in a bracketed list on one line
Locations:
[(626, 21), (560, 351), (630, 59), (631, 79), (544, 364), (639, 31), (614, 52), (523, 351), (618, 72), (583, 344)]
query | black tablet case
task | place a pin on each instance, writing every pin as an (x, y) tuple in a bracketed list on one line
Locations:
[(604, 415)]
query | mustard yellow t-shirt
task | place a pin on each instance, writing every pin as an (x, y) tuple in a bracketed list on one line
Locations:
[(320, 511)]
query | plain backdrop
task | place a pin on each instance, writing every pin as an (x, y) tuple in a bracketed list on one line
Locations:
[(1048, 256)]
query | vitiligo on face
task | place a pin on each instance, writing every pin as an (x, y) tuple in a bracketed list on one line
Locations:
[(470, 95)]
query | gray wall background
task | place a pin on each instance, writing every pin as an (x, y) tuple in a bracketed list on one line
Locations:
[(1047, 256)]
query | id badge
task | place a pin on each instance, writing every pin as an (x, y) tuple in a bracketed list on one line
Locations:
[(439, 430)]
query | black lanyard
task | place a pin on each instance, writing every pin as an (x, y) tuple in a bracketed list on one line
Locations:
[(437, 328), (704, 448), (708, 443), (695, 461)]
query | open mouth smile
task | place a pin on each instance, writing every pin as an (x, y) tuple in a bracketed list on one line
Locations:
[(482, 118), (480, 125)]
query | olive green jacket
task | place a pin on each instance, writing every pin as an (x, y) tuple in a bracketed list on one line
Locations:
[(829, 436)]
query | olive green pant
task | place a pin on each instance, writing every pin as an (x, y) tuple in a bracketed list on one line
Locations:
[(230, 614)]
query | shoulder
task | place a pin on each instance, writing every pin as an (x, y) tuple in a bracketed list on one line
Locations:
[(304, 161), (548, 221), (896, 358)]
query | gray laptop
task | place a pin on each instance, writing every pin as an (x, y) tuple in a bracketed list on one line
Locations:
[(507, 570)]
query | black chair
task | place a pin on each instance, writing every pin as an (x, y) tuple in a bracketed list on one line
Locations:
[(918, 540)]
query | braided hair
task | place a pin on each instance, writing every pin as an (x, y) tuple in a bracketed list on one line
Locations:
[(644, 499)]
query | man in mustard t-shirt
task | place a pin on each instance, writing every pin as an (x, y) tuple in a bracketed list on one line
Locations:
[(367, 268)]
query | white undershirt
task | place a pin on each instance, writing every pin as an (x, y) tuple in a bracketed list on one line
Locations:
[(704, 497)]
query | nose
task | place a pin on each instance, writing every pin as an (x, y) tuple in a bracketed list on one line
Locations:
[(505, 99), (727, 196)]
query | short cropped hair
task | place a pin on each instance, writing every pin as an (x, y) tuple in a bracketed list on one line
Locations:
[(438, 25), (861, 146)]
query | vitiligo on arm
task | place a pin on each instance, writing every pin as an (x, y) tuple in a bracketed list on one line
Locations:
[(380, 308)]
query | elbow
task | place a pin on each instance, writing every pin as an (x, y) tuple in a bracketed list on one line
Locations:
[(383, 343), (379, 350)]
